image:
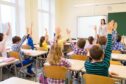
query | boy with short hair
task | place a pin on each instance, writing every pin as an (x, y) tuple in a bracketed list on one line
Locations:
[(17, 43), (78, 48), (99, 61)]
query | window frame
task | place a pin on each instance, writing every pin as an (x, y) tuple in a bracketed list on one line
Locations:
[(50, 13)]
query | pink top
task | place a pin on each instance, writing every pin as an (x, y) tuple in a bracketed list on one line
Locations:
[(2, 44)]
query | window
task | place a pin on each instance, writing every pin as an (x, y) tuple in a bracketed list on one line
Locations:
[(12, 11), (46, 15)]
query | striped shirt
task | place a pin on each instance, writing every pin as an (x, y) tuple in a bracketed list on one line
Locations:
[(101, 68), (114, 36), (78, 51)]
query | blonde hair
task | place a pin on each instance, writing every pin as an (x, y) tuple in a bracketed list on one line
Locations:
[(55, 54)]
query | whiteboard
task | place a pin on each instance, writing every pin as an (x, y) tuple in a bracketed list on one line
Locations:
[(85, 25)]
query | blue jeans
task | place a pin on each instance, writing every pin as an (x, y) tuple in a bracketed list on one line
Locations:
[(25, 62)]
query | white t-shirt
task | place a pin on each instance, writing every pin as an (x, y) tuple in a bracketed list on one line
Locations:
[(102, 30), (2, 46)]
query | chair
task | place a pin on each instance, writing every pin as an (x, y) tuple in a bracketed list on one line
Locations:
[(17, 56), (26, 47), (116, 51), (55, 72), (96, 79), (79, 57)]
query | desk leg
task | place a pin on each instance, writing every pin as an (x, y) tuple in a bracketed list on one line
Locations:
[(1, 74), (36, 66), (123, 81)]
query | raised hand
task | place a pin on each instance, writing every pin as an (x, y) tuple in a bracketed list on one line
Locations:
[(68, 31), (110, 26), (95, 28), (9, 29)]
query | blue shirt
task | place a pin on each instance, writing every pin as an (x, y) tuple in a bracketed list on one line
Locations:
[(30, 42)]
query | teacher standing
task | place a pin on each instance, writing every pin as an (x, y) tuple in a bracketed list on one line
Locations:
[(103, 28)]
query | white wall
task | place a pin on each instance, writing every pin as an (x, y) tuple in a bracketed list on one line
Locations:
[(31, 17), (67, 13)]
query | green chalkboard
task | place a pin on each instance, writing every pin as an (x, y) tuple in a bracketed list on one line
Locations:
[(120, 18)]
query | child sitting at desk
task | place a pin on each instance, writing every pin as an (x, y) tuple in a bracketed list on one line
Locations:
[(44, 41), (3, 39), (17, 43), (118, 45), (90, 40), (99, 61), (102, 40), (55, 57)]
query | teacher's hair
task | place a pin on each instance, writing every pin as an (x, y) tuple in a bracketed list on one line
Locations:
[(103, 21)]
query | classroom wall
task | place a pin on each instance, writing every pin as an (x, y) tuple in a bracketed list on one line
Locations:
[(67, 13), (31, 17)]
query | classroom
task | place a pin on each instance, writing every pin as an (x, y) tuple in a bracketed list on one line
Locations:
[(62, 41)]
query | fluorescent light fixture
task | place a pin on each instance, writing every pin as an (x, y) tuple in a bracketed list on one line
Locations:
[(98, 4)]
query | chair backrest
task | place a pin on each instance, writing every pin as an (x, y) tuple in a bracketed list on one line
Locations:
[(26, 47), (116, 51), (79, 57), (42, 49), (115, 62), (14, 54), (96, 79), (55, 72)]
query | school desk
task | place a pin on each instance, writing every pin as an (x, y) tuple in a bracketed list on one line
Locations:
[(15, 80), (4, 63)]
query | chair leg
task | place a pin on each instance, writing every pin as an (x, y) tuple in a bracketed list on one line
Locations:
[(123, 82), (1, 74)]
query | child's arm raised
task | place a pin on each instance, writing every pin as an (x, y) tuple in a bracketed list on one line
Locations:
[(8, 30), (109, 44)]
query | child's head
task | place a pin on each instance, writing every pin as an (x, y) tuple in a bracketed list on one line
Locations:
[(1, 37), (55, 54), (102, 40), (90, 40), (96, 53), (16, 39), (81, 43), (119, 38), (42, 39)]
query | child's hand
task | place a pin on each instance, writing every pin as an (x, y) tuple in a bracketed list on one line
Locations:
[(110, 26), (58, 30), (113, 74), (45, 29), (95, 28), (9, 25), (68, 31)]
